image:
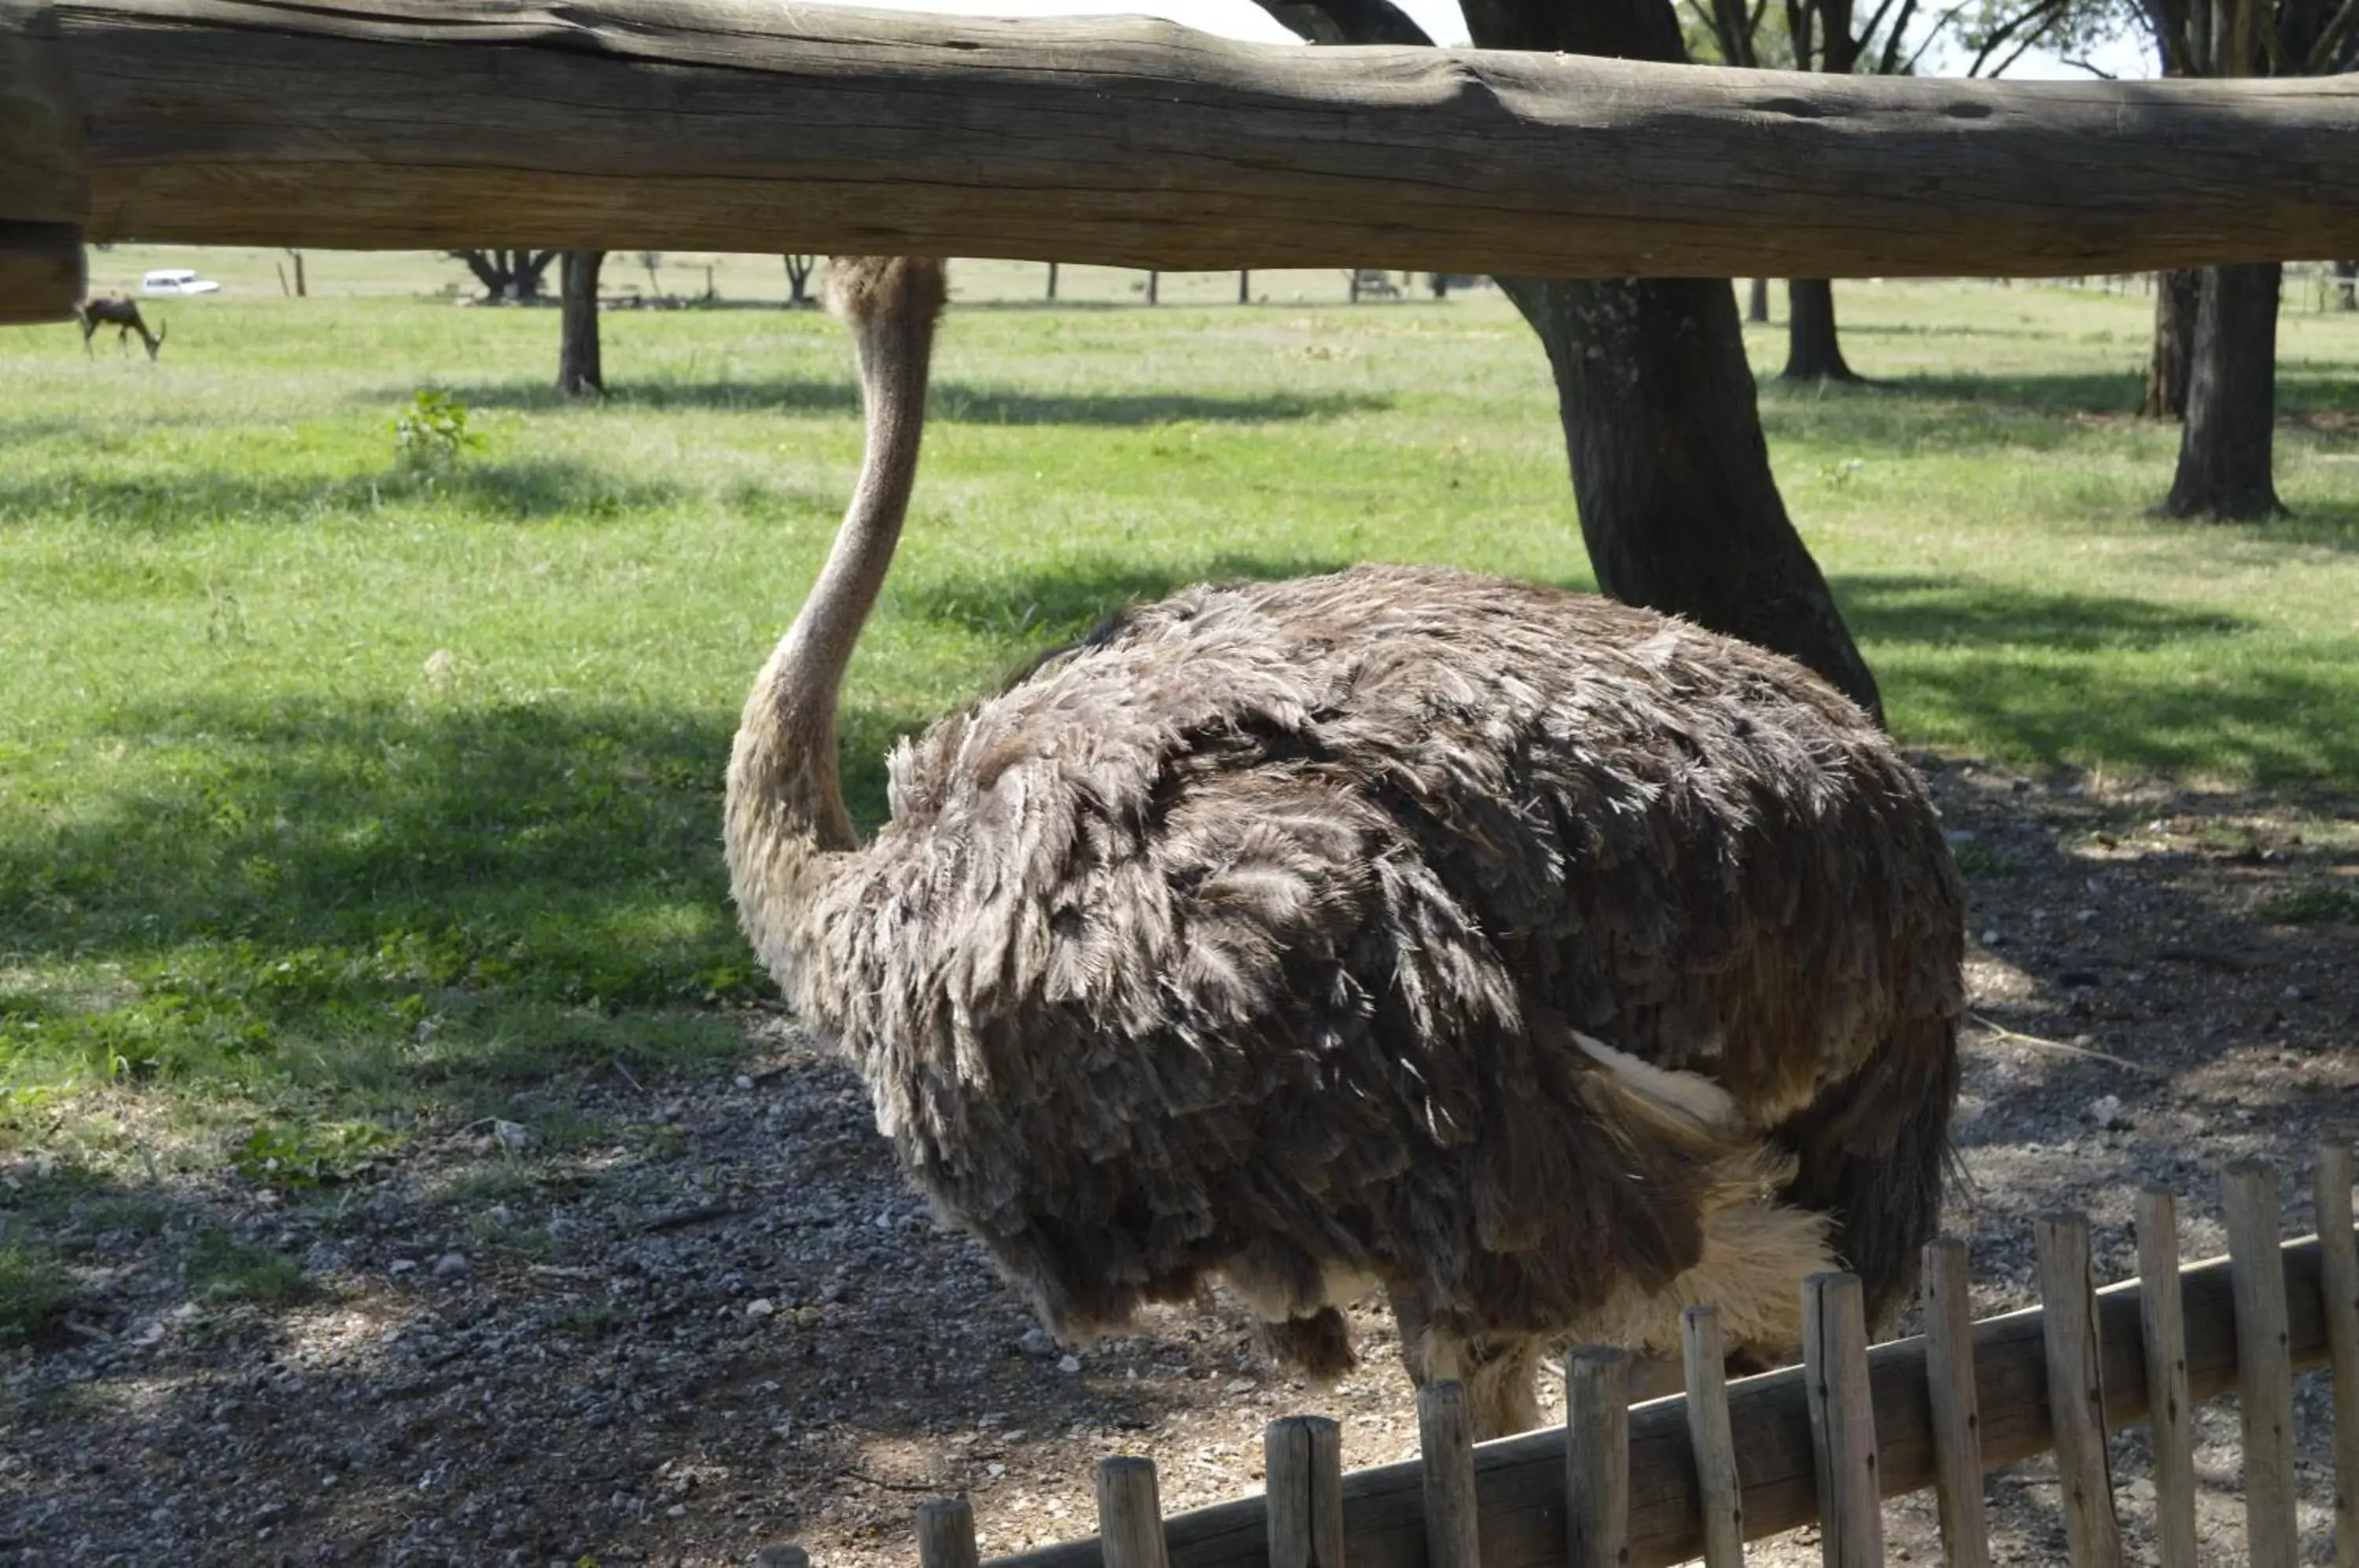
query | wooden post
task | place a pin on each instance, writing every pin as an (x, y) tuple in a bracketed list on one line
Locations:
[(1152, 279), (1130, 1515), (2264, 1363), (1302, 1470), (2171, 1411), (1052, 280), (946, 1534), (44, 172), (1523, 1478), (1949, 1390), (1445, 1435), (2076, 1395), (1842, 1422), (1596, 1456), (1245, 287), (1720, 1490), (2339, 1289)]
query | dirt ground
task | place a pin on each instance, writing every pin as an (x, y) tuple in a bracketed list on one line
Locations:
[(718, 1321)]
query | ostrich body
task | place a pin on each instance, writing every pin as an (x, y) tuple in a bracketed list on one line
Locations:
[(1550, 964)]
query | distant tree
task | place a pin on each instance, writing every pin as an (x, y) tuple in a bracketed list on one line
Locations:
[(2227, 447), (508, 274), (1757, 308), (651, 260), (799, 272), (579, 373)]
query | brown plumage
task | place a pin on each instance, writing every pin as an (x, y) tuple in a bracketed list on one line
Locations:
[(1547, 962)]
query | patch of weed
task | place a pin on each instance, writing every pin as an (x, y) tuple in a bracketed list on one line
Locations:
[(224, 1270), (35, 1292), (1978, 859), (314, 1154), (2312, 905)]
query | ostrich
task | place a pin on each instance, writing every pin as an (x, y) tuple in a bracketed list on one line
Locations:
[(1548, 964)]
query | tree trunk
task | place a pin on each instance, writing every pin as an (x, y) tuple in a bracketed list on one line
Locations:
[(578, 372), (798, 271), (1757, 309), (302, 290), (2176, 297), (2225, 451), (1813, 351), (526, 269), (2347, 285), (1671, 472)]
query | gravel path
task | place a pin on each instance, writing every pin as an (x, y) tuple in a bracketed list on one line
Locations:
[(677, 1322)]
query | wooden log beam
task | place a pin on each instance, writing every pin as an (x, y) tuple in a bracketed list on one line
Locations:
[(44, 185), (1520, 1482), (749, 125)]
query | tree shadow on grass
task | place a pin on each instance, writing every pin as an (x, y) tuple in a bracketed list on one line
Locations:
[(2304, 391), (2039, 677), (1946, 612), (950, 401), (1039, 609), (294, 885), (523, 490)]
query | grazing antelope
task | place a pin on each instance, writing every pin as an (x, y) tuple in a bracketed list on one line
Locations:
[(121, 314)]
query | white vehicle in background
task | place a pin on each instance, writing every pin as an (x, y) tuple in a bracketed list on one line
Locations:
[(177, 281)]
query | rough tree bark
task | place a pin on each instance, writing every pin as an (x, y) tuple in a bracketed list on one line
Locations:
[(579, 374), (2226, 447), (1671, 471), (2177, 295), (1813, 351)]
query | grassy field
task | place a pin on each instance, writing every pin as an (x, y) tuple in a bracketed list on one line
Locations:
[(337, 789)]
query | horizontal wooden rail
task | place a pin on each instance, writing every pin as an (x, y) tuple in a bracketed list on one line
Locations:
[(1520, 1482), (748, 125)]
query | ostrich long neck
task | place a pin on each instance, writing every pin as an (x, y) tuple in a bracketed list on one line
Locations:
[(786, 814)]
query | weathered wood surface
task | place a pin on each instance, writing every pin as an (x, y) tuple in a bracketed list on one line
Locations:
[(1704, 1358), (2170, 1414), (1842, 1422), (1445, 1437), (737, 124), (1130, 1515), (1521, 1480), (1950, 1388), (1302, 1471), (1597, 1456), (2255, 1213), (2076, 1395), (946, 1534), (2338, 1285), (44, 185)]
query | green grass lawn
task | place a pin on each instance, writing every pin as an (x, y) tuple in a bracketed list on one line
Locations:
[(331, 785)]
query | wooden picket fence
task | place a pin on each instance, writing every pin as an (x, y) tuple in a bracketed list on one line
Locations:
[(1697, 1476)]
